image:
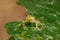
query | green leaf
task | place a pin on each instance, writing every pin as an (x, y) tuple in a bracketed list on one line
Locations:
[(47, 12), (11, 38), (11, 26)]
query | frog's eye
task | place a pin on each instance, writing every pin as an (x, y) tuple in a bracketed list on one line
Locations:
[(26, 15)]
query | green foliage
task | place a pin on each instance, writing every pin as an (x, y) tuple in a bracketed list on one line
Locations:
[(47, 12), (11, 38)]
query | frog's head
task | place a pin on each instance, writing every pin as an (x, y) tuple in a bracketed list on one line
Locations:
[(30, 18)]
